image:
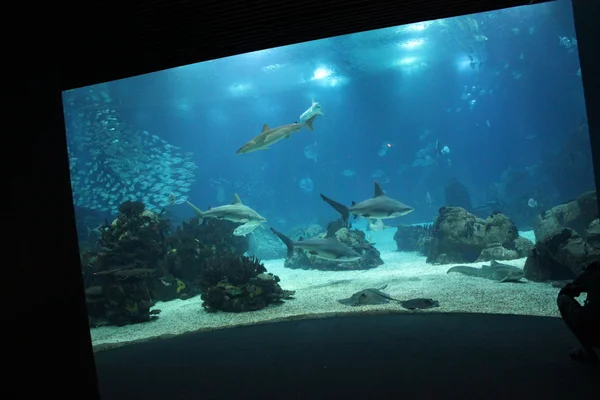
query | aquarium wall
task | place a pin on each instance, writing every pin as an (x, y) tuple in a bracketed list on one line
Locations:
[(443, 166)]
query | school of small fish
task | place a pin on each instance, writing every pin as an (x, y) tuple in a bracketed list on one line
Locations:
[(111, 162)]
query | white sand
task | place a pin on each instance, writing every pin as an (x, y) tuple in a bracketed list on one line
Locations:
[(406, 274)]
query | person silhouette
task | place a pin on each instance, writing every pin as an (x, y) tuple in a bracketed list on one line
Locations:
[(583, 321)]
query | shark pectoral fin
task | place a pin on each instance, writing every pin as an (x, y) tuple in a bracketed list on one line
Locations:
[(287, 136)]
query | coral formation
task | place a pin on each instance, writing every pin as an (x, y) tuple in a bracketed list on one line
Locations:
[(567, 239), (238, 284), (413, 238), (353, 238), (192, 246), (137, 261), (129, 258), (459, 236)]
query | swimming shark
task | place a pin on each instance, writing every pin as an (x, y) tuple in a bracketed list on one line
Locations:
[(269, 136), (313, 110), (495, 271), (329, 248), (379, 206), (234, 212)]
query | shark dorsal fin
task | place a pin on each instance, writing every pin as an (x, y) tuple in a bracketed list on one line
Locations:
[(493, 262), (378, 190), (300, 239), (236, 199), (265, 127)]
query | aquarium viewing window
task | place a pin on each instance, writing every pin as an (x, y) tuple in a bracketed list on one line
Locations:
[(418, 168)]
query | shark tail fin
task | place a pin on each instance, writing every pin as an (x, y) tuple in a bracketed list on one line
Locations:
[(310, 121), (342, 209), (289, 243), (198, 212)]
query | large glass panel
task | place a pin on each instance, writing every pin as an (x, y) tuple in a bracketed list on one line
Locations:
[(442, 166)]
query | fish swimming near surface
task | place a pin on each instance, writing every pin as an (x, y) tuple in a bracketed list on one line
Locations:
[(374, 296), (329, 247), (235, 212), (269, 136), (314, 110), (495, 271), (380, 206)]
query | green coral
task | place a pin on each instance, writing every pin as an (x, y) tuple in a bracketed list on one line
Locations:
[(180, 285)]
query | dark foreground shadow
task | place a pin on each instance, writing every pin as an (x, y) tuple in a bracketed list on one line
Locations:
[(406, 356)]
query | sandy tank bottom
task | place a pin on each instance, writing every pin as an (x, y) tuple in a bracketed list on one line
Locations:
[(406, 275)]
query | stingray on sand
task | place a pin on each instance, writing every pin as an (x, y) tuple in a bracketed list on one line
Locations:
[(373, 296)]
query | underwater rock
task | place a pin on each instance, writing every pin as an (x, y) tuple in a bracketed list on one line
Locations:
[(563, 254), (460, 237), (265, 245), (592, 236), (354, 238), (520, 247), (239, 284), (576, 215), (413, 238)]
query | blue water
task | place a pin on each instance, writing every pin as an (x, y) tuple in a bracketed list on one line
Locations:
[(386, 95)]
